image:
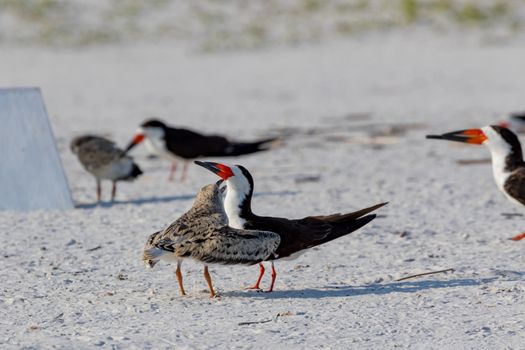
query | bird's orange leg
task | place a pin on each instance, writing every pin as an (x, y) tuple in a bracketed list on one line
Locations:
[(113, 191), (179, 278), (184, 172), (172, 171), (208, 280), (274, 276), (261, 273), (519, 237), (99, 191)]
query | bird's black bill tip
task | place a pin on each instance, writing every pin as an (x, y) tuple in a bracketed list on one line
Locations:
[(138, 138), (128, 148), (209, 166), (472, 136), (435, 137), (221, 170)]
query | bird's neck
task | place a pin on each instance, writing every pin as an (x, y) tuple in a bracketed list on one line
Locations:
[(504, 162), (237, 205)]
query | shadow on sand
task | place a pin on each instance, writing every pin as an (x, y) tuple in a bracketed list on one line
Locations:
[(372, 289), (139, 201), (167, 199), (278, 193)]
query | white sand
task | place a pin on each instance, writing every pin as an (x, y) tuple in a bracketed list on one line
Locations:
[(57, 293)]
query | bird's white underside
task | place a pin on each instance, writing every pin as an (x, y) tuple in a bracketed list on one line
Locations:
[(114, 170), (238, 187), (499, 150), (155, 143), (237, 190)]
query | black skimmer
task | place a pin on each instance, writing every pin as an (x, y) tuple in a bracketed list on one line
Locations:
[(507, 159), (296, 235), (202, 234), (514, 122), (177, 144), (105, 161)]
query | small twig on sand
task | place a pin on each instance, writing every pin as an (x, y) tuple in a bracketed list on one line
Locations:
[(255, 322), (511, 215), (424, 274), (473, 161), (58, 317), (94, 248), (280, 314)]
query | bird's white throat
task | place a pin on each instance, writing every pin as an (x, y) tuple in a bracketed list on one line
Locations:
[(155, 142), (237, 191), (499, 150)]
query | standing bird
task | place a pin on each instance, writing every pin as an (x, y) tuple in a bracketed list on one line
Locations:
[(507, 159), (105, 161), (296, 235), (514, 122), (203, 235), (182, 144)]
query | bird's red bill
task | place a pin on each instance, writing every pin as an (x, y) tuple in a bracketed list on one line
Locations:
[(138, 139), (519, 237), (472, 136), (225, 171), (221, 170), (475, 136)]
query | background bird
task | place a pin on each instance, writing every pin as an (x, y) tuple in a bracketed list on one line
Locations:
[(296, 235), (202, 234), (105, 161), (515, 122), (507, 159), (176, 144)]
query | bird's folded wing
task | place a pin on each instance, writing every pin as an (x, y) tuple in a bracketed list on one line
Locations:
[(223, 245), (515, 185), (349, 216)]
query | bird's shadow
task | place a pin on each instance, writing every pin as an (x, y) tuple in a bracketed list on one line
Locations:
[(371, 289), (166, 199), (276, 193), (139, 201)]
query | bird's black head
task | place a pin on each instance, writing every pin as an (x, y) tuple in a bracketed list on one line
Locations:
[(153, 123), (508, 136), (246, 174), (514, 156)]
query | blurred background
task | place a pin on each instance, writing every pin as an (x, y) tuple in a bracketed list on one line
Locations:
[(324, 74), (353, 87), (214, 25)]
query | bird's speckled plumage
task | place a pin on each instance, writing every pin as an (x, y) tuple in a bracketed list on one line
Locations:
[(103, 159), (203, 234)]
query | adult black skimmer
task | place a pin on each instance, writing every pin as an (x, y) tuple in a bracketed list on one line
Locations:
[(203, 235), (514, 122), (507, 159), (104, 160), (296, 235), (182, 144)]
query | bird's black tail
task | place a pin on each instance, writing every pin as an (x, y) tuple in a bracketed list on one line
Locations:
[(240, 148), (135, 172), (343, 224)]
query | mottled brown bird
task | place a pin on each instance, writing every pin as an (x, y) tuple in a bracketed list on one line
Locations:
[(105, 161), (203, 234)]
